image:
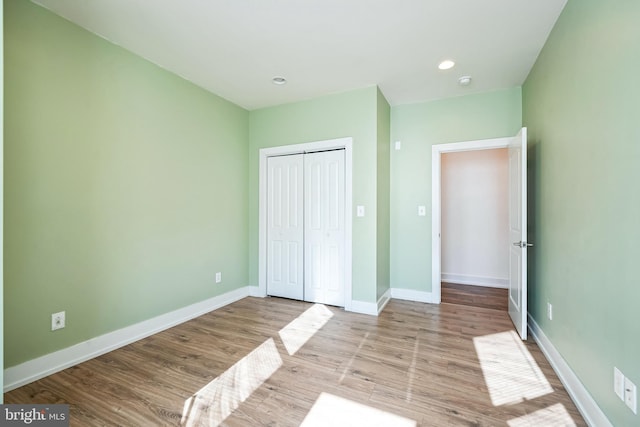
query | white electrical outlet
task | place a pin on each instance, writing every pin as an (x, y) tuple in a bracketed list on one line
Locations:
[(360, 211), (218, 277), (549, 311), (630, 395), (618, 383), (398, 145), (57, 320)]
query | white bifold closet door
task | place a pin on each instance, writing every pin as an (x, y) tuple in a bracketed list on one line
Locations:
[(285, 226), (305, 231), (324, 227)]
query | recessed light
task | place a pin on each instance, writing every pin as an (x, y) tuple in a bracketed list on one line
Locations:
[(447, 64), (464, 80), (278, 80)]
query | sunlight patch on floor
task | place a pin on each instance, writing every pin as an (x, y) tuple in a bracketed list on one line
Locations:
[(555, 415), (302, 328), (334, 411), (510, 372), (218, 399)]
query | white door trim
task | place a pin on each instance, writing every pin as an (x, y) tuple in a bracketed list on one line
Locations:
[(309, 147), (436, 192)]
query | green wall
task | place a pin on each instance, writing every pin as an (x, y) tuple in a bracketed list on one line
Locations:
[(125, 186), (351, 114), (418, 127), (384, 193), (580, 103)]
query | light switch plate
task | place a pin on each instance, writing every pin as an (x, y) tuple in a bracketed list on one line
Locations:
[(398, 145), (360, 210), (618, 383), (630, 395), (422, 210)]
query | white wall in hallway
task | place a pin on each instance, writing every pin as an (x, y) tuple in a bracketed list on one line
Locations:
[(474, 217)]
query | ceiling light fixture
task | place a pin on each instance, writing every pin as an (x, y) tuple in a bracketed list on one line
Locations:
[(447, 64), (464, 80), (278, 80)]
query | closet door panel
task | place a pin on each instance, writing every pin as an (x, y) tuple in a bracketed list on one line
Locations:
[(324, 227), (285, 226)]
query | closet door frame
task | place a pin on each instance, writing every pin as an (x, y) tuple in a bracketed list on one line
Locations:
[(310, 147)]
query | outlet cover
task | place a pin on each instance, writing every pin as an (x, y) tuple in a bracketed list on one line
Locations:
[(218, 277), (57, 320), (618, 383), (360, 210), (549, 311), (630, 395)]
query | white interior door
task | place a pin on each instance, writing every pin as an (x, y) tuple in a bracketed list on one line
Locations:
[(518, 232), (324, 209), (285, 226)]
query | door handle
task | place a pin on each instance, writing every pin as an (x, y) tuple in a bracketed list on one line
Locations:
[(522, 244)]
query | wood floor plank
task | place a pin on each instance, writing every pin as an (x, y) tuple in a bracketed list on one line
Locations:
[(415, 360), (476, 296)]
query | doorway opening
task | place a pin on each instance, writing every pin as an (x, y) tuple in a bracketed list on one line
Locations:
[(517, 153), (475, 238)]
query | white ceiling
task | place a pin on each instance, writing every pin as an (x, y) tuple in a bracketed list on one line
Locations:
[(234, 47)]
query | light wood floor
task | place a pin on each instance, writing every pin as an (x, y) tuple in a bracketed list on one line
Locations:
[(476, 296), (432, 365)]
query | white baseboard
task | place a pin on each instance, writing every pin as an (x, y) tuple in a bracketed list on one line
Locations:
[(465, 279), (35, 369), (254, 291), (364, 307), (588, 407), (411, 295), (384, 300)]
